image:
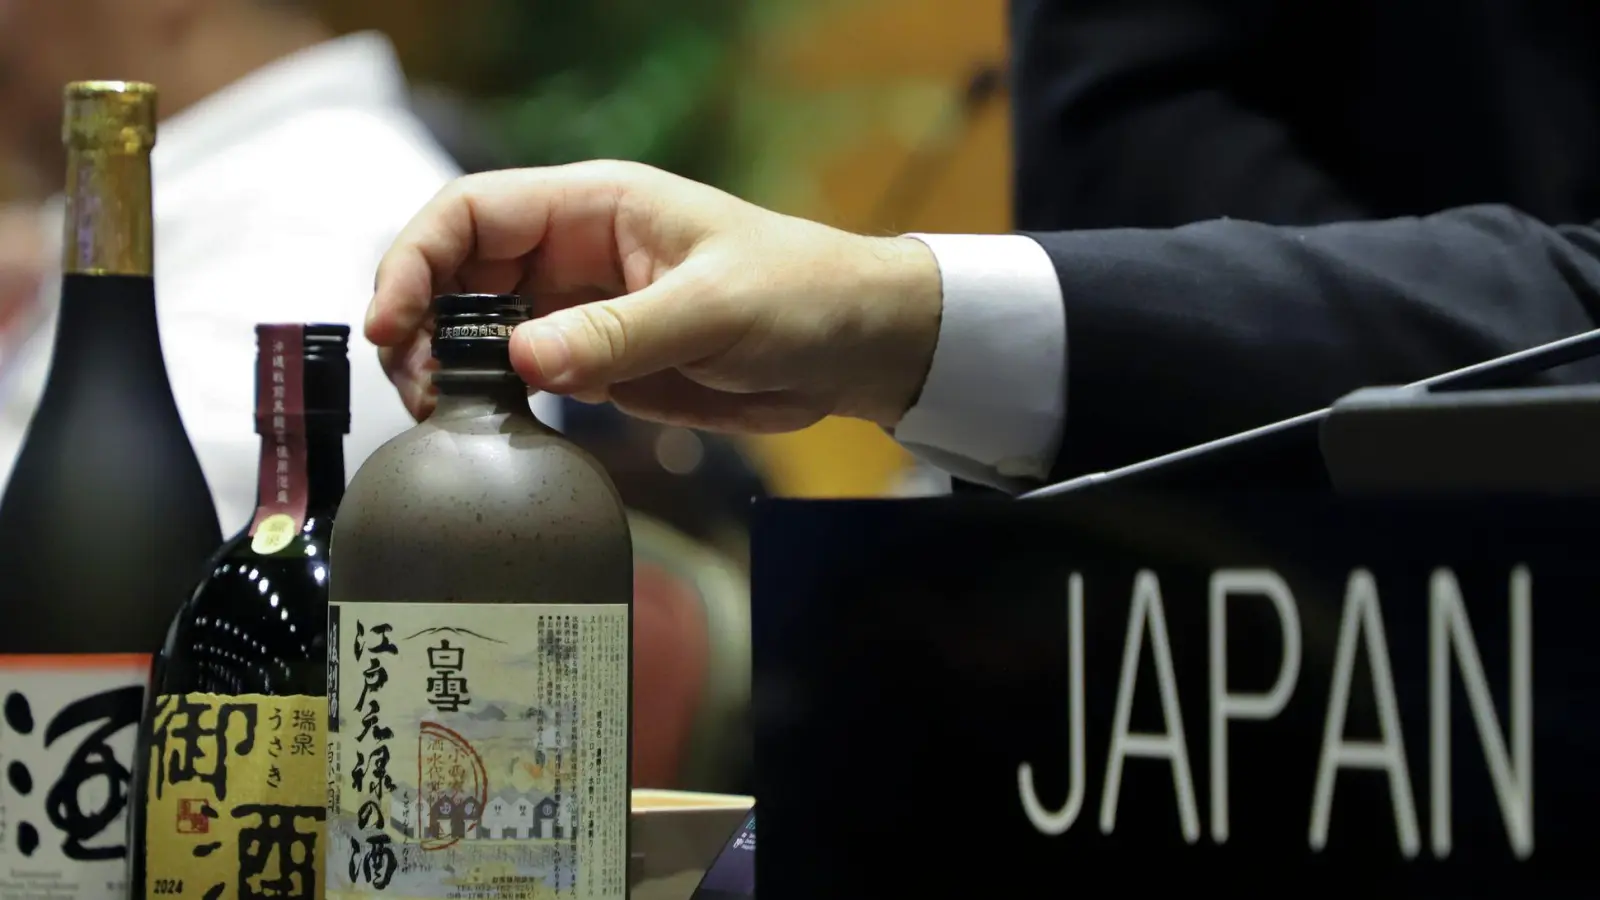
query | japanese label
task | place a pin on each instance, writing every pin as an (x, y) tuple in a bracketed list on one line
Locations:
[(490, 330), (280, 419), (478, 751), (235, 804), (68, 725)]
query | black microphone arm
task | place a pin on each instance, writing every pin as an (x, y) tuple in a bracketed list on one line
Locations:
[(909, 187), (1497, 372)]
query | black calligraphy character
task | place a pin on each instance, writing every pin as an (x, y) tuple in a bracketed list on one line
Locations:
[(381, 781), (276, 748), (447, 687), (275, 839), (277, 718), (274, 777), (180, 765), (370, 816), (93, 758), (305, 720), (377, 865), (372, 681), (384, 645), (369, 723), (302, 745)]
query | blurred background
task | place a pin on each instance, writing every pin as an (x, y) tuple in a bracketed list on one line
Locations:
[(876, 116), (858, 113)]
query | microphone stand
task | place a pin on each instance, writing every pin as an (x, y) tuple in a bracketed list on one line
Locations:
[(1512, 367), (909, 187)]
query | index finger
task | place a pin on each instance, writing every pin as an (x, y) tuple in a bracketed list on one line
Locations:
[(485, 217)]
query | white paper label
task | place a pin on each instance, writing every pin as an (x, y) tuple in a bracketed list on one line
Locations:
[(68, 726), (477, 751)]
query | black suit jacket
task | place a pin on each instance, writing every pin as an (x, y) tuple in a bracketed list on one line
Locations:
[(1155, 113), (1158, 113), (1179, 336)]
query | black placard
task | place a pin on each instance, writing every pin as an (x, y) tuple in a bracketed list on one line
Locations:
[(915, 673)]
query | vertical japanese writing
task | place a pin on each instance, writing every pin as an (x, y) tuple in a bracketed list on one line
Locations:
[(447, 686), (374, 863), (305, 733), (616, 662), (274, 773), (590, 743), (280, 420), (333, 767), (573, 704), (279, 423), (549, 641), (206, 749)]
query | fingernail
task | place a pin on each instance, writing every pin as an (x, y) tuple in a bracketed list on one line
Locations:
[(550, 351)]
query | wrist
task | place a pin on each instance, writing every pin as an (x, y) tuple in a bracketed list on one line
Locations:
[(902, 295)]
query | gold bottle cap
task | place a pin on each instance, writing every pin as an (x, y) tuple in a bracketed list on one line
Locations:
[(110, 116)]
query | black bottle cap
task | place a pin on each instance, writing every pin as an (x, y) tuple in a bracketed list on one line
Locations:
[(473, 331), (325, 355)]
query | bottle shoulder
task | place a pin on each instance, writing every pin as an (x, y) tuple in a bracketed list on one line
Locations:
[(254, 624), (242, 586), (482, 510), (544, 473)]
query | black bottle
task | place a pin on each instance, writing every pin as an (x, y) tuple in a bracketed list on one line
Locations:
[(106, 523), (233, 748)]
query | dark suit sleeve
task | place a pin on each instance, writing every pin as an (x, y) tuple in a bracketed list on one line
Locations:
[(1147, 113), (1175, 337)]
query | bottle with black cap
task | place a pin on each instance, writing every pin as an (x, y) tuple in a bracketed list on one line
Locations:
[(480, 634), (233, 748)]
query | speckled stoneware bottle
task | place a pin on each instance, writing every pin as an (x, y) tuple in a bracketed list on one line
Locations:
[(479, 646)]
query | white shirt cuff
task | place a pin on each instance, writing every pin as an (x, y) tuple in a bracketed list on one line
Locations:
[(994, 402)]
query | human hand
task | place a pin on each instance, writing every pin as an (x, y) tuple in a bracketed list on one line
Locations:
[(673, 300)]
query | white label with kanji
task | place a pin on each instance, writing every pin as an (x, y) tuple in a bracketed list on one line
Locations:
[(68, 726), (478, 751)]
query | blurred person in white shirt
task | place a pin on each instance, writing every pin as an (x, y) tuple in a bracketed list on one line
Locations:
[(285, 162)]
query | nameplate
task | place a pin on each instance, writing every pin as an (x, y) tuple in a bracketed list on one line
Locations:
[(1261, 695)]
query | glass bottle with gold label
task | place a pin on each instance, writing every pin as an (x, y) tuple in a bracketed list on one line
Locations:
[(479, 647), (233, 747), (105, 525)]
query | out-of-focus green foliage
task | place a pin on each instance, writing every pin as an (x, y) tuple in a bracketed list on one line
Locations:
[(647, 80)]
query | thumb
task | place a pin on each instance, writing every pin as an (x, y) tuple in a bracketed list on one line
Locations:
[(594, 345)]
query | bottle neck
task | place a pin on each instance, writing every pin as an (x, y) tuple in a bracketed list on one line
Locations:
[(107, 323), (470, 394), (324, 469), (108, 226), (301, 479), (107, 317)]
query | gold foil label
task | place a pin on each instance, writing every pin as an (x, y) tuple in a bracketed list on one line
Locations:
[(237, 797), (109, 128), (477, 751)]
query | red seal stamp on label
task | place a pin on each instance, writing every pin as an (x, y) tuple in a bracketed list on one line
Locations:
[(192, 818), (455, 786)]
